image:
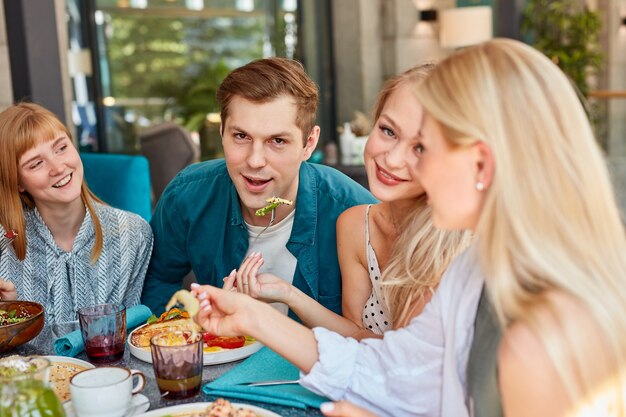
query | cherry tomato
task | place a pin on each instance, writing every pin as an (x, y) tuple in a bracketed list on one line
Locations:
[(224, 341), (206, 337)]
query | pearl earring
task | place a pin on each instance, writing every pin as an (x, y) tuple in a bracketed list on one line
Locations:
[(480, 186)]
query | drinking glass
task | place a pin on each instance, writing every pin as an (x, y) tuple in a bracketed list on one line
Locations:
[(103, 328), (177, 364), (25, 390)]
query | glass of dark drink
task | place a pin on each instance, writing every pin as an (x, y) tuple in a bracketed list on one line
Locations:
[(103, 328), (177, 363)]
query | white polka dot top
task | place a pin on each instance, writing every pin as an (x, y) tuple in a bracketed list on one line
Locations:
[(375, 315)]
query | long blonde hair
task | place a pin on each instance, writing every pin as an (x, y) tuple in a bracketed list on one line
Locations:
[(421, 253), (419, 257), (550, 222), (23, 126)]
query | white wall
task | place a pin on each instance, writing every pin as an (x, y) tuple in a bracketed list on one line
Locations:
[(357, 45), (409, 41), (374, 40)]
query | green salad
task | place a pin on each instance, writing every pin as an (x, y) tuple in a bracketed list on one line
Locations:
[(10, 317)]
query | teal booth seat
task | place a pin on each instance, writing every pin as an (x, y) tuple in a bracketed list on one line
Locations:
[(122, 181)]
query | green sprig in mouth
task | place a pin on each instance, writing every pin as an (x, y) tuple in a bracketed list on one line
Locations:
[(273, 202)]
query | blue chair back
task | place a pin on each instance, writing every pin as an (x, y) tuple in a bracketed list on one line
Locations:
[(122, 181)]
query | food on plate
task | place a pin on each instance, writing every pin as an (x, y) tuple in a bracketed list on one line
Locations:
[(224, 342), (187, 300), (60, 375), (141, 336), (219, 408), (178, 320), (273, 202), (12, 317), (178, 338), (173, 313), (223, 408)]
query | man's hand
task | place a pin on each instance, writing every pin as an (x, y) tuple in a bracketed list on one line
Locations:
[(7, 290), (265, 287), (344, 409)]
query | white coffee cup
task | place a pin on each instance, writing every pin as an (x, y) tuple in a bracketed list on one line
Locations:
[(105, 391)]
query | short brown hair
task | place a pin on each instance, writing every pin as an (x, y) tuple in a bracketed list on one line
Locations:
[(266, 79)]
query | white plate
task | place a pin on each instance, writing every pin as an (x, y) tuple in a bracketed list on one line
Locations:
[(209, 358), (67, 359), (199, 407), (139, 404)]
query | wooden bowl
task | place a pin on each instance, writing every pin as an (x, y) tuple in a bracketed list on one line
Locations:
[(16, 334)]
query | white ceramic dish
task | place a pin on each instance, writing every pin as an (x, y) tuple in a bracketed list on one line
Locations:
[(199, 407), (139, 404), (69, 359), (209, 358)]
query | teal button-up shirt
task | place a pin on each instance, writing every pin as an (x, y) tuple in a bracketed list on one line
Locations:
[(198, 225)]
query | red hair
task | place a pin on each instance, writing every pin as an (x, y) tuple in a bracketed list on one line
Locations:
[(22, 127)]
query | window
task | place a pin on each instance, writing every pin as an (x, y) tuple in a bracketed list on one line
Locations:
[(163, 59)]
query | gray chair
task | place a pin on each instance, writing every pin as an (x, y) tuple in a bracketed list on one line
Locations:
[(169, 148)]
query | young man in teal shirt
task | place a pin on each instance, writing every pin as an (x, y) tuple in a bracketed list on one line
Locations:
[(205, 220)]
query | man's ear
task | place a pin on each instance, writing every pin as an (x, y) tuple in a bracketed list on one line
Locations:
[(311, 142), (485, 164)]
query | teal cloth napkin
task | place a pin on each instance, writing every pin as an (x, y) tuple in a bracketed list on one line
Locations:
[(263, 366), (72, 343)]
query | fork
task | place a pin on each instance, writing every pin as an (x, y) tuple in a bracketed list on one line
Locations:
[(272, 218)]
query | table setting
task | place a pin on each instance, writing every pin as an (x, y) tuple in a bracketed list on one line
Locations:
[(171, 378)]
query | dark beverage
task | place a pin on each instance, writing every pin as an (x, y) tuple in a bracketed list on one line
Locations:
[(177, 389), (104, 349), (103, 327)]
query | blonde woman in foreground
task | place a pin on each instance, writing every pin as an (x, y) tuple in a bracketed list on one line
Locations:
[(395, 236), (507, 151), (552, 247)]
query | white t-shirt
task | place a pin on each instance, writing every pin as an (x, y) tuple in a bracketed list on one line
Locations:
[(419, 370), (271, 243)]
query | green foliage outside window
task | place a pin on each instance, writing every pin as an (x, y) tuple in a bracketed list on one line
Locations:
[(566, 31), (180, 59), (194, 96)]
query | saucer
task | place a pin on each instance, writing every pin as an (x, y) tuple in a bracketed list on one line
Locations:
[(138, 405)]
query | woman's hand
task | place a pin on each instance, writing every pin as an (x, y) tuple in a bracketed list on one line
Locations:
[(265, 287), (344, 409), (224, 313), (7, 290), (229, 313)]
